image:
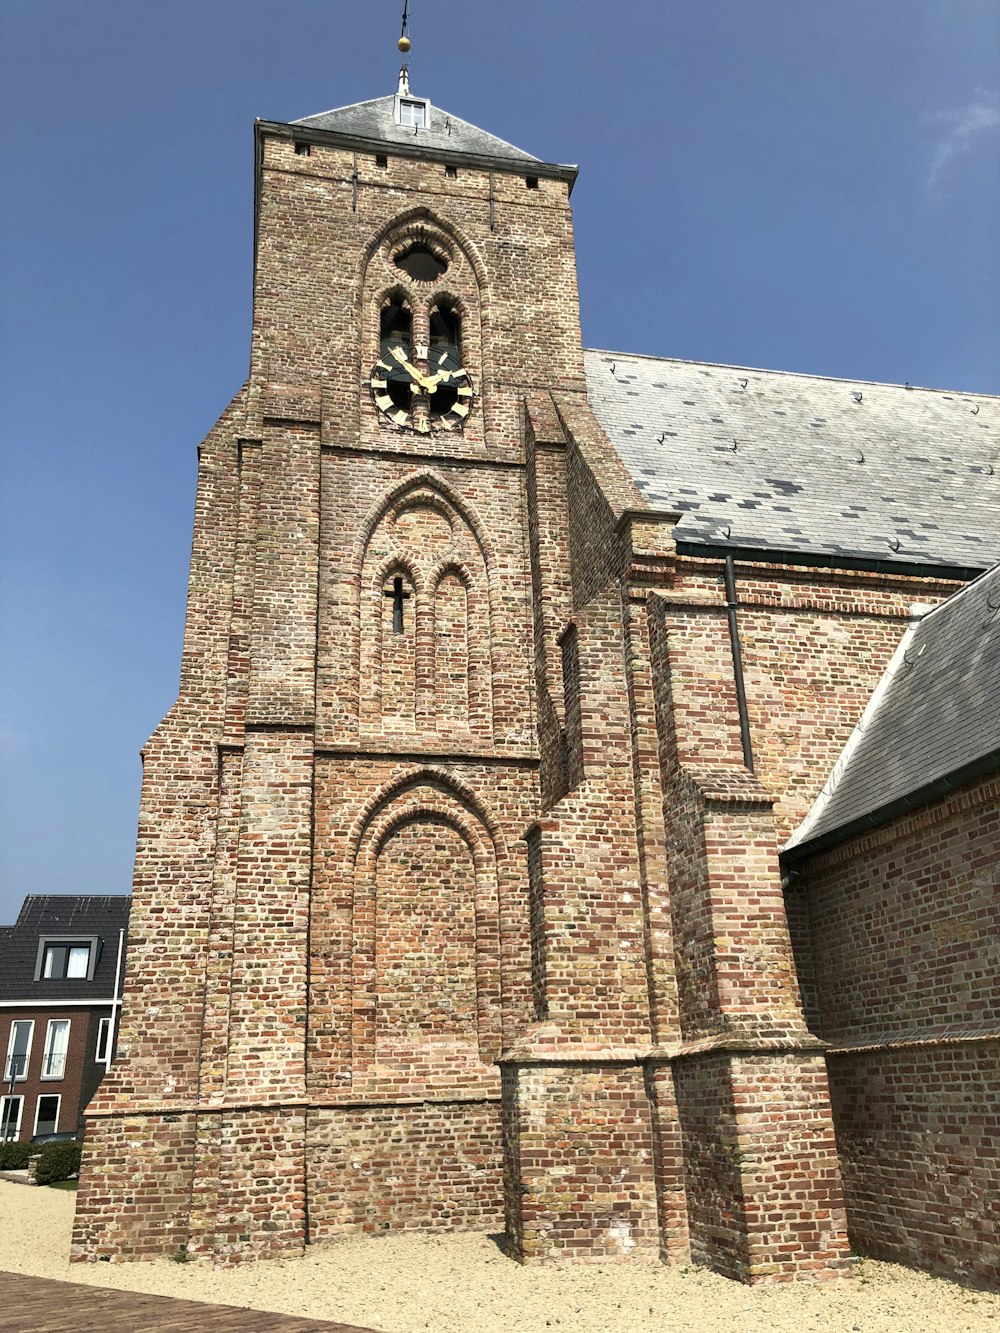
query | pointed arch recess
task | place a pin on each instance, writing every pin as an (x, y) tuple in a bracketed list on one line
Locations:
[(374, 273), (424, 489), (411, 221), (423, 798), (395, 561)]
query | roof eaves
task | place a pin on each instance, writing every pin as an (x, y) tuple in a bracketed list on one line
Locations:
[(931, 791), (791, 374), (819, 559), (457, 157)]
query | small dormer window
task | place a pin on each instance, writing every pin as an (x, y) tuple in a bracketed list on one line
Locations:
[(66, 959), (412, 113)]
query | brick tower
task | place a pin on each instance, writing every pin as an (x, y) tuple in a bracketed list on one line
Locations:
[(402, 950)]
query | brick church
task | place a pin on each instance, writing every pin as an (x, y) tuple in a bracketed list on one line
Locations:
[(574, 817)]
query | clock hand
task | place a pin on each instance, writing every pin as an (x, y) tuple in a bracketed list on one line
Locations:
[(426, 382), (411, 370), (443, 376)]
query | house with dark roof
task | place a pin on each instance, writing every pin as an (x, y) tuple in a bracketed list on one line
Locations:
[(512, 670), (61, 975)]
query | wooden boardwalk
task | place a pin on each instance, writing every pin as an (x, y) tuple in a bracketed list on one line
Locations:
[(38, 1305)]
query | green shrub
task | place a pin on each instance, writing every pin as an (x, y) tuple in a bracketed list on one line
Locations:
[(14, 1156), (57, 1161)]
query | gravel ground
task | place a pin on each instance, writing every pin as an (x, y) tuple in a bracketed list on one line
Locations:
[(463, 1284)]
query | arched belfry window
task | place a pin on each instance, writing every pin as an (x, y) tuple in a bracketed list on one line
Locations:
[(396, 334), (446, 332), (445, 354), (395, 326)]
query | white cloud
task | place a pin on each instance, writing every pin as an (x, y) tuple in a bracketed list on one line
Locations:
[(964, 125)]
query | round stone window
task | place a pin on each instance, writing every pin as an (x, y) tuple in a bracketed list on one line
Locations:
[(421, 263)]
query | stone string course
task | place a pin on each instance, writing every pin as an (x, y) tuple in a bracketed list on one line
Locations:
[(483, 920)]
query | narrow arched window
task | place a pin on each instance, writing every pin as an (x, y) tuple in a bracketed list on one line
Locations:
[(398, 650), (395, 337), (446, 336), (395, 327), (445, 355)]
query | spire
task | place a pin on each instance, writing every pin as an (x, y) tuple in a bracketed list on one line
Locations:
[(404, 46)]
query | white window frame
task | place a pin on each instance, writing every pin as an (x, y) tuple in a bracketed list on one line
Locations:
[(47, 1049), (38, 1107), (10, 1050), (4, 1099), (408, 100), (103, 1030)]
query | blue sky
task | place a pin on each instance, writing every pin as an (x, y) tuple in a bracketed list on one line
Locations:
[(804, 186)]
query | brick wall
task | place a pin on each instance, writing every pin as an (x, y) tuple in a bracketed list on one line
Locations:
[(430, 1165), (904, 929)]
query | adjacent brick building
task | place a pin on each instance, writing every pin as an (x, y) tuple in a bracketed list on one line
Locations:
[(508, 670), (896, 872), (61, 970)]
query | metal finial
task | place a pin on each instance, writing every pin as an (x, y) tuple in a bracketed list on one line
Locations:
[(404, 40)]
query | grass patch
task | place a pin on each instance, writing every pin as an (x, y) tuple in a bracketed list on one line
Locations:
[(63, 1185)]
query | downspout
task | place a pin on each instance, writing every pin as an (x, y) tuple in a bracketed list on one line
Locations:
[(116, 1003), (734, 639)]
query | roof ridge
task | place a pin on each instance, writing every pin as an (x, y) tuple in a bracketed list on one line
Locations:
[(794, 374), (960, 592)]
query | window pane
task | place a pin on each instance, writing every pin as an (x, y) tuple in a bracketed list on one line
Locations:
[(10, 1117), (79, 957), (55, 961), (56, 1042), (47, 1120), (103, 1032), (18, 1048)]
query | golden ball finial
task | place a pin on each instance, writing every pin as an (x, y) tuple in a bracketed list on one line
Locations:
[(404, 44)]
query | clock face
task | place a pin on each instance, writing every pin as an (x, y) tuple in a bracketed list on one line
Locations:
[(435, 394), (451, 398)]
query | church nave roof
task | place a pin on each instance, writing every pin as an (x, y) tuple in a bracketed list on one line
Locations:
[(813, 467)]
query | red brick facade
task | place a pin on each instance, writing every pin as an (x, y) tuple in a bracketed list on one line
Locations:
[(483, 917), (80, 1075)]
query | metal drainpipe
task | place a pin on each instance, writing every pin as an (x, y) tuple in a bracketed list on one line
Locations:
[(734, 639), (116, 1003)]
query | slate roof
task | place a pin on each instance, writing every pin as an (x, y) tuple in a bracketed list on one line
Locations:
[(373, 120), (64, 917), (821, 468), (935, 715)]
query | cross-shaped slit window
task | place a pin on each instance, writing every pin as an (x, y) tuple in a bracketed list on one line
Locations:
[(399, 596)]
